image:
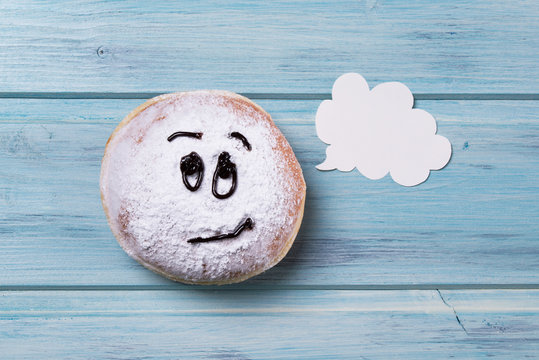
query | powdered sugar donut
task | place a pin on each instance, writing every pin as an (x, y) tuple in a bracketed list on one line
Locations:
[(202, 187)]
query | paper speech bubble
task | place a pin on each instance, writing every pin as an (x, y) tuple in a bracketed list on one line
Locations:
[(377, 131)]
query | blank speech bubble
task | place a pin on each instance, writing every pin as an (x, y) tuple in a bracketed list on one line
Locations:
[(377, 131)]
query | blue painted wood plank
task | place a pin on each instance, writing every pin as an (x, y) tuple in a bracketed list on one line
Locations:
[(274, 46), (474, 222), (268, 324)]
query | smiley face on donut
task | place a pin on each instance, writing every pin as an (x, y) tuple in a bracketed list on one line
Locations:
[(192, 164), (202, 187)]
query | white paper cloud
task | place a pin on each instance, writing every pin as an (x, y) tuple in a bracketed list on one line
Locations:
[(377, 131)]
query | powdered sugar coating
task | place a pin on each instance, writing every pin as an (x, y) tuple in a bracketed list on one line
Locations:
[(153, 214)]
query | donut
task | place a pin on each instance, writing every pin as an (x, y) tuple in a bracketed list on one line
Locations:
[(202, 187)]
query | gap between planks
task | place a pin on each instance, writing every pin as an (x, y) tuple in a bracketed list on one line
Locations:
[(260, 96), (248, 287)]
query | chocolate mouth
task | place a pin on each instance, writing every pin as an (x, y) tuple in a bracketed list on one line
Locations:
[(246, 224)]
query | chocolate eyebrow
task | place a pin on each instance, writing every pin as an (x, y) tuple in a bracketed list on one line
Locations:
[(196, 135), (243, 139)]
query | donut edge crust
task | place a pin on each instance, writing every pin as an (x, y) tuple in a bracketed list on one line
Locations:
[(118, 235)]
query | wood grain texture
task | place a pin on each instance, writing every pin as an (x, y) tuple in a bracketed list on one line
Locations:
[(269, 324), (276, 46), (475, 222), (67, 290)]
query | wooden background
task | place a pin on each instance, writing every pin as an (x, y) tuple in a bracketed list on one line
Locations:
[(449, 268)]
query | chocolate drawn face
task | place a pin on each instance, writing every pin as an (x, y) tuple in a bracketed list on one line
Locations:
[(192, 165)]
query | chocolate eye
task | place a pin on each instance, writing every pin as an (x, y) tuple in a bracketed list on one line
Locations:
[(192, 165), (224, 170)]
